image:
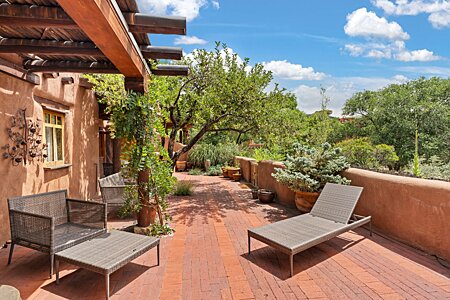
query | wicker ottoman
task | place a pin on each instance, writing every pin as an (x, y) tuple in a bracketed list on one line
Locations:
[(107, 253)]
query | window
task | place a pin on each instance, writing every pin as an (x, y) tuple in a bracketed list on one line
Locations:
[(54, 138)]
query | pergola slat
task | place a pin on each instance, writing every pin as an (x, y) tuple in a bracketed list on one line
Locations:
[(45, 16), (36, 16), (143, 23), (170, 70), (36, 65), (49, 47), (156, 52)]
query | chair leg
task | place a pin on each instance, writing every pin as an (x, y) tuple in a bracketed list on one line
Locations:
[(291, 262), (52, 259), (249, 245), (10, 253), (157, 253), (370, 227)]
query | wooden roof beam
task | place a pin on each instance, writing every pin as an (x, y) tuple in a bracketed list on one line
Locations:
[(37, 16), (69, 48), (103, 23), (37, 65), (49, 47), (171, 70), (143, 23), (156, 52)]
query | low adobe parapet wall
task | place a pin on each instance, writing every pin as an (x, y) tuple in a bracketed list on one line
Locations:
[(416, 211)]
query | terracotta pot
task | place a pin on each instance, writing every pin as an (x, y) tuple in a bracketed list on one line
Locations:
[(225, 172), (266, 196), (236, 177), (146, 216), (305, 200), (232, 171), (255, 193), (207, 164), (181, 165)]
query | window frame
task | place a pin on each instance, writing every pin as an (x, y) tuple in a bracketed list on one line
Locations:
[(55, 126)]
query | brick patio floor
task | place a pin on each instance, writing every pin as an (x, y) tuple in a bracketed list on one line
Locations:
[(206, 259)]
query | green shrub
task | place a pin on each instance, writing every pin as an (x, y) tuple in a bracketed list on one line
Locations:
[(183, 188), (219, 154), (433, 168), (309, 169), (214, 171), (195, 171), (361, 152), (267, 154)]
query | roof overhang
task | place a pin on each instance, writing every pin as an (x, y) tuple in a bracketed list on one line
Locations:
[(89, 36)]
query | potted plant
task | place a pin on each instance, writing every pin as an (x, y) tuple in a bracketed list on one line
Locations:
[(232, 170), (265, 196), (255, 193), (307, 171), (237, 176)]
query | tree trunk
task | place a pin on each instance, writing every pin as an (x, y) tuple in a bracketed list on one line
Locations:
[(144, 215)]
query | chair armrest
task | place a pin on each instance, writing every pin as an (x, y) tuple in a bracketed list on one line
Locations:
[(32, 228), (87, 213)]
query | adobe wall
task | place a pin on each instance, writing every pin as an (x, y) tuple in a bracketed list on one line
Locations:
[(245, 165), (416, 211), (81, 145)]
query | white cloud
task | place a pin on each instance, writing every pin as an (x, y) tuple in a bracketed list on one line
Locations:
[(390, 50), (215, 4), (183, 8), (339, 89), (438, 10), (368, 25), (286, 70), (384, 40), (189, 40), (417, 55), (426, 70)]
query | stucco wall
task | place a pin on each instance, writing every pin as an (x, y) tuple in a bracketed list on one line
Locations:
[(80, 146), (416, 211), (245, 165)]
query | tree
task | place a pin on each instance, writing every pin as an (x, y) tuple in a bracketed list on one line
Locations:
[(394, 113), (221, 94), (135, 119)]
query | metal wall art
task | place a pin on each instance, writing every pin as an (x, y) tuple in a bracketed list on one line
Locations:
[(25, 140)]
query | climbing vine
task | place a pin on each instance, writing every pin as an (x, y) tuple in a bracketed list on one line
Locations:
[(136, 121)]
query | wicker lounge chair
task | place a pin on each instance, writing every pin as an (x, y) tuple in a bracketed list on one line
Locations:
[(50, 222), (329, 218), (112, 188)]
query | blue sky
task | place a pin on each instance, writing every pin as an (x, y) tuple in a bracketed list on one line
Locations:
[(344, 46)]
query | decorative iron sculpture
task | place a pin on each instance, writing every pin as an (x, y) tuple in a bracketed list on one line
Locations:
[(26, 140)]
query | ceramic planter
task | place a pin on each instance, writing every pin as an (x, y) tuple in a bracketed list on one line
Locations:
[(255, 193), (236, 176), (181, 165), (231, 171), (305, 200), (266, 196)]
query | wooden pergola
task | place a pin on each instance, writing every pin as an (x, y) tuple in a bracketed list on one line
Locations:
[(86, 36)]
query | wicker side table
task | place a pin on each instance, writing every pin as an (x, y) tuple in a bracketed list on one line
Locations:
[(107, 253)]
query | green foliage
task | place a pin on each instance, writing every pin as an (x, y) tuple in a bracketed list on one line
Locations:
[(416, 162), (266, 154), (386, 156), (157, 229), (136, 120), (224, 94), (131, 204), (214, 171), (359, 152), (309, 169), (362, 153), (195, 171), (433, 168), (183, 188), (393, 114), (220, 154)]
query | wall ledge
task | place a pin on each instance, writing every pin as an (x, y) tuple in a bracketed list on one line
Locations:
[(64, 166)]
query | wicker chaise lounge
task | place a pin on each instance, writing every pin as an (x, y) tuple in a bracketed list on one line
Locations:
[(49, 222), (329, 218), (112, 188)]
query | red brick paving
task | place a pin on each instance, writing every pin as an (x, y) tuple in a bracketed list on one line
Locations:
[(207, 258)]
